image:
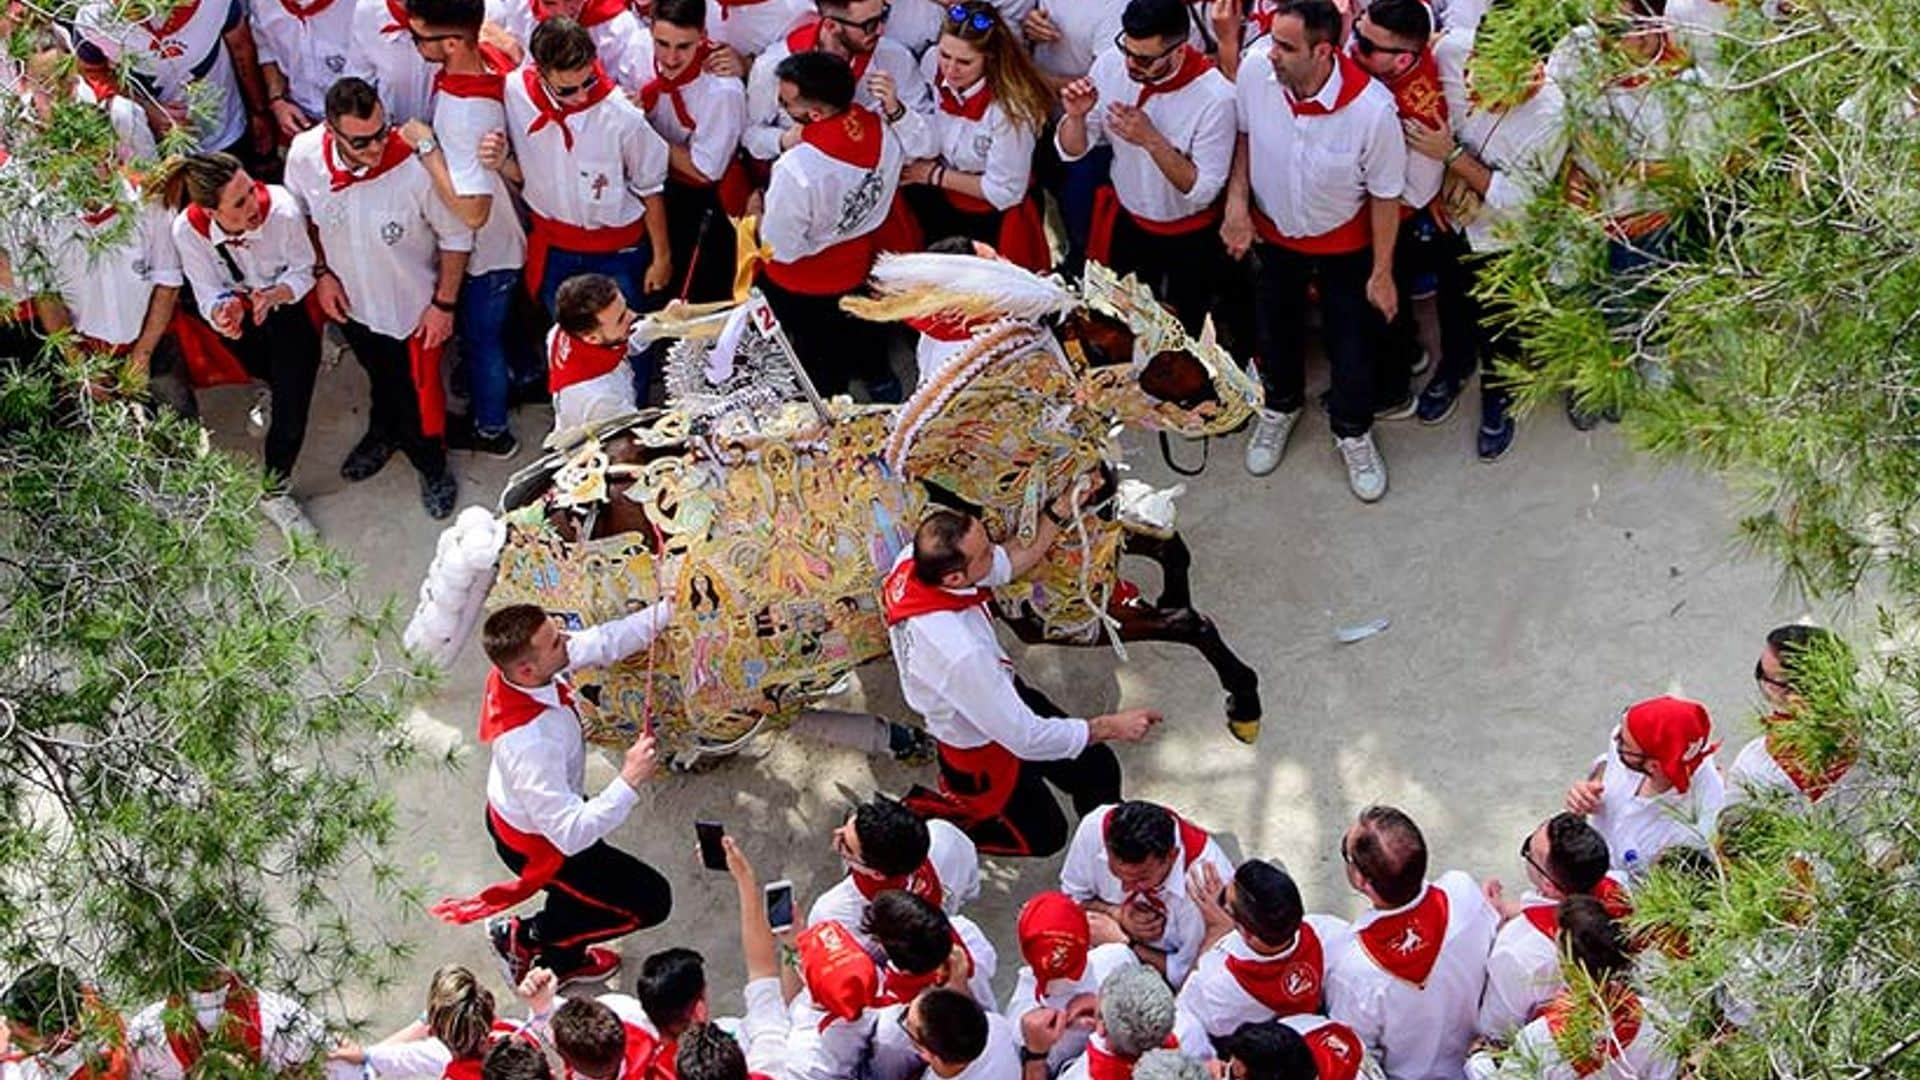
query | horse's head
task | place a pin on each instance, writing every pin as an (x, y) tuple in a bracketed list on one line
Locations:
[(1178, 378), (1102, 340)]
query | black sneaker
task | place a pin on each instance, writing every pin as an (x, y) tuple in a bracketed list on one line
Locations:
[(438, 494), (1438, 400), (369, 456), (1399, 410), (528, 393), (503, 933), (1493, 442), (1580, 418), (461, 435)]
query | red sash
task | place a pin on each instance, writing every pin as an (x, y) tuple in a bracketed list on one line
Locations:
[(1355, 235), (1613, 896), (1022, 239), (924, 883), (1103, 1064), (991, 769), (647, 1056), (1106, 214), (1417, 96), (303, 12), (1336, 1051), (240, 1017), (573, 360), (1544, 918), (424, 365), (1623, 1013), (549, 233), (1407, 944), (542, 865), (904, 596), (1287, 984)]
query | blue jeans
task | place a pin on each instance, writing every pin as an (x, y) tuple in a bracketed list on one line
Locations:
[(628, 269), (493, 359)]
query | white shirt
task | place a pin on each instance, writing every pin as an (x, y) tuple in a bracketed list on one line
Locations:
[(386, 57), (1215, 997), (277, 253), (1660, 118), (766, 119), (1754, 773), (382, 236), (836, 1052), (1523, 973), (311, 52), (718, 108), (1417, 1032), (1000, 1060), (956, 865), (1312, 174), (107, 291), (537, 779), (290, 1036), (893, 1055), (1523, 144), (995, 147), (750, 28), (955, 675), (459, 123), (624, 46), (135, 137), (192, 54), (762, 1032), (616, 160), (1102, 961), (1087, 29), (1086, 876), (592, 401), (1535, 1056), (1639, 827), (815, 200), (1198, 119)]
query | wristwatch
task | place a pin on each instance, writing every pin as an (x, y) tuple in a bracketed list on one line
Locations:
[(442, 305), (425, 146), (1028, 1056)]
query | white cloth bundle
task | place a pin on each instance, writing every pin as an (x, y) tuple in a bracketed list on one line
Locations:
[(456, 586)]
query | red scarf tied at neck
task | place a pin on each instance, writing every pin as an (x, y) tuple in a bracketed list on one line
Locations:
[(671, 85), (551, 111)]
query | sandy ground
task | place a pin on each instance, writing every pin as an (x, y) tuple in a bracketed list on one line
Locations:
[(1530, 601)]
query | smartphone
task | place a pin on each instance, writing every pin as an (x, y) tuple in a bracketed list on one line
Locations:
[(712, 855), (780, 905)]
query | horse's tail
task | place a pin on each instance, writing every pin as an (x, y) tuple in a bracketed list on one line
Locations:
[(455, 590)]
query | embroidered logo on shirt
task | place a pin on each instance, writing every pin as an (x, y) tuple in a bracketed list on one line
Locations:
[(335, 64), (982, 143), (599, 185), (860, 202), (391, 232), (140, 268)]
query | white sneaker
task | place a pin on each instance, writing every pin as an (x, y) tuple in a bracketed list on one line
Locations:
[(1269, 441), (1366, 469), (261, 414), (284, 512)]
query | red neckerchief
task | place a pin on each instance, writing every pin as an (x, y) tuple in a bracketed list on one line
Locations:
[(394, 154), (1103, 1064), (1407, 943), (573, 359), (491, 83), (96, 218), (1534, 84), (1193, 64), (303, 12), (1670, 60), (897, 987), (398, 13), (953, 103), (1623, 1012), (1287, 984), (1418, 95), (175, 19), (549, 112), (924, 883), (592, 14), (855, 137), (905, 596), (1813, 786), (1192, 841), (805, 37), (1352, 80), (1613, 896), (201, 219), (505, 706), (671, 85), (945, 327), (242, 1008), (1336, 1050)]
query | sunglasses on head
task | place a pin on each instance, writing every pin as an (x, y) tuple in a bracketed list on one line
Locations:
[(361, 142), (979, 20), (1143, 59), (866, 26), (1369, 47), (580, 87)]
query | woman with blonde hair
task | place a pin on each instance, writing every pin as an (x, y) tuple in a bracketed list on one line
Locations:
[(459, 1027), (993, 105)]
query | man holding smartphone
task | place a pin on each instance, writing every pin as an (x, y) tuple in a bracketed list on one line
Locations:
[(545, 827)]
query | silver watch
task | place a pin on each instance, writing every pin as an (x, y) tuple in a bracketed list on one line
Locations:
[(425, 146)]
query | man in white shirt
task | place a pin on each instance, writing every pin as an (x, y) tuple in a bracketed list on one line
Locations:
[(1065, 36), (1000, 743), (1169, 117), (1270, 963), (1135, 863), (1316, 187), (886, 846), (205, 45), (958, 1039), (1500, 147), (701, 116), (384, 54), (1407, 978), (1769, 765), (395, 256), (920, 948), (304, 47), (54, 1027), (1657, 786), (545, 827), (1136, 1013), (1564, 857), (619, 37), (885, 75), (469, 106), (587, 349), (1063, 972)]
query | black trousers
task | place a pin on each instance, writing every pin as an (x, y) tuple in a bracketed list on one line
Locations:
[(394, 415), (284, 352), (940, 219), (1183, 271), (701, 236), (834, 347), (600, 894), (1352, 330), (1032, 822), (1464, 320)]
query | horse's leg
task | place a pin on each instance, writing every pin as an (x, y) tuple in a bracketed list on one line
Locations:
[(1185, 626), (1176, 590)]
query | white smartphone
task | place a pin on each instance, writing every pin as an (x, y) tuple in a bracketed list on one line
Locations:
[(779, 896)]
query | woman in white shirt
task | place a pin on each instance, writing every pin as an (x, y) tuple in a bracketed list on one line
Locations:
[(992, 107)]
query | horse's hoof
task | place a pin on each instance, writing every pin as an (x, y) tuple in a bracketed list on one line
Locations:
[(1243, 708), (1246, 731)]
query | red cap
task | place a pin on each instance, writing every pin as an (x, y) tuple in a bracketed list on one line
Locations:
[(1054, 938), (838, 972), (1676, 733)]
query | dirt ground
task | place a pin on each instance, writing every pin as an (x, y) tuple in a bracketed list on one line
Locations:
[(1529, 600)]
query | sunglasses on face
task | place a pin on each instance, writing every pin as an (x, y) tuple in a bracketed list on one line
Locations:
[(867, 26), (1369, 47), (1760, 676), (1526, 856), (1635, 760), (424, 39), (979, 20), (580, 87), (1145, 59), (361, 142)]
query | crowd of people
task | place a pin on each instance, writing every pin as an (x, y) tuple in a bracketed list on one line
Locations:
[(398, 176)]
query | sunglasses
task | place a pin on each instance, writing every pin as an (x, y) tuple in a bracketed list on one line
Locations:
[(1368, 47), (580, 87), (1143, 59), (424, 39), (1636, 760), (979, 20), (913, 1037), (1760, 676), (868, 26), (361, 142), (1526, 856)]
